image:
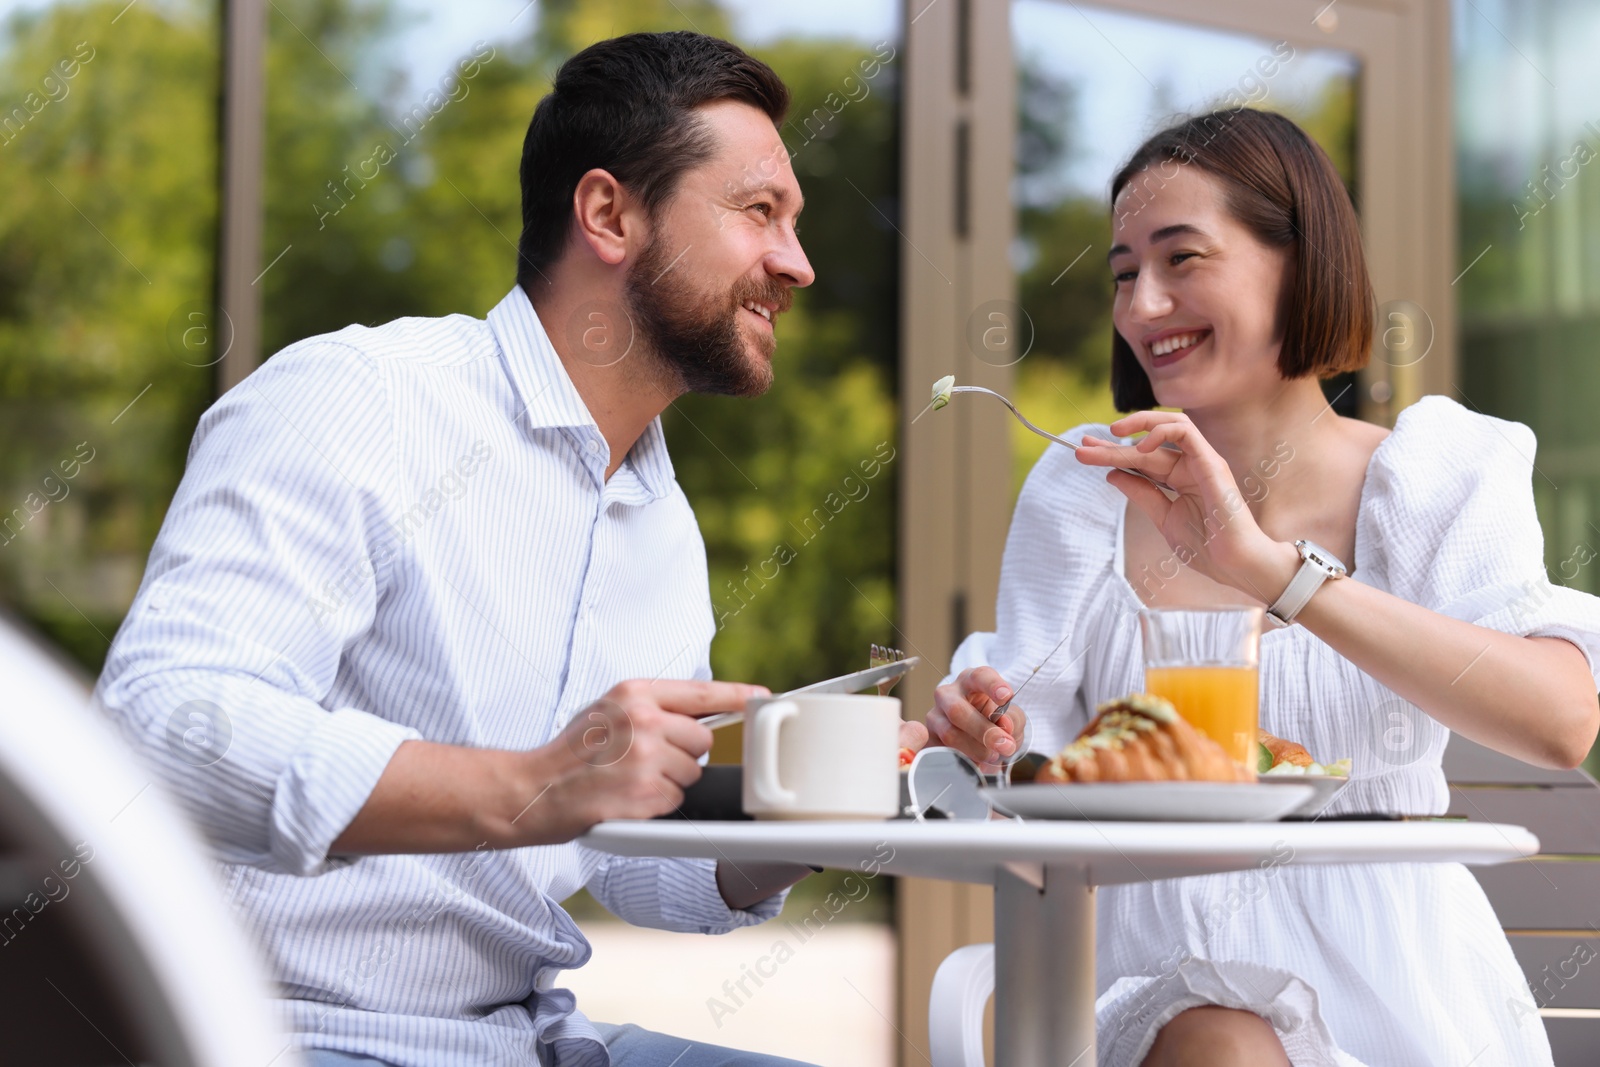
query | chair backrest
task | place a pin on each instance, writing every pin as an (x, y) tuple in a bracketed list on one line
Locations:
[(1549, 906)]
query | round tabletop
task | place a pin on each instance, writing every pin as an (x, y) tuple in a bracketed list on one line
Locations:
[(1107, 852)]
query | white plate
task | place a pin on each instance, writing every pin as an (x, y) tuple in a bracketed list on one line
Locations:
[(1324, 787), (1152, 801)]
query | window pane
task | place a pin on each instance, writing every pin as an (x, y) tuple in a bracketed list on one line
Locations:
[(107, 236), (1528, 211)]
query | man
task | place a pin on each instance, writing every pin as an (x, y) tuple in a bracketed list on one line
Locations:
[(380, 646)]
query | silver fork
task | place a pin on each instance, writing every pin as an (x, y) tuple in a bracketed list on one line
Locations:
[(882, 656), (1050, 436)]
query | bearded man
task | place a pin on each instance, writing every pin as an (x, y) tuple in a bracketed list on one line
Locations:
[(429, 603)]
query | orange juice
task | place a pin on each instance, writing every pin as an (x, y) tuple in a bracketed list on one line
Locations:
[(1220, 702)]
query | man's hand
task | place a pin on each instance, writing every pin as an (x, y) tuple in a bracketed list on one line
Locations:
[(962, 718), (628, 755)]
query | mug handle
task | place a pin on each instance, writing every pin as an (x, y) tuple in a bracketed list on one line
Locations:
[(764, 778)]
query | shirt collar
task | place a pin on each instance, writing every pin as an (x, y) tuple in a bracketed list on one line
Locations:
[(549, 398), (650, 461)]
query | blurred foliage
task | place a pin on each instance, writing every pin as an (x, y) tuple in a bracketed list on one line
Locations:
[(1057, 396), (107, 228), (785, 462), (1330, 119), (390, 195), (1062, 280), (1063, 283), (568, 26)]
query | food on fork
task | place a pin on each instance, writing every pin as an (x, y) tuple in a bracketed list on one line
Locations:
[(1142, 738), (942, 389), (1275, 756)]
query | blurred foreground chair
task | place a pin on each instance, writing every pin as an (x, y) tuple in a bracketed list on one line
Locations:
[(116, 945), (1549, 906)]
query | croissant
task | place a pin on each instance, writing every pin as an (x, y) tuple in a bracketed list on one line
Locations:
[(1142, 738), (1284, 751)]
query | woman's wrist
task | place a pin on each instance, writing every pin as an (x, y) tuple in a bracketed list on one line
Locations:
[(1271, 571)]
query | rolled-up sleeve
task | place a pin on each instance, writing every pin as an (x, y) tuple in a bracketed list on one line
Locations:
[(672, 894), (267, 568)]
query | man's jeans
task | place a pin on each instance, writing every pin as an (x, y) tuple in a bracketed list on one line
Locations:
[(630, 1046)]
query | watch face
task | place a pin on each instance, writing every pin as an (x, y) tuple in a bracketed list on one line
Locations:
[(1312, 552)]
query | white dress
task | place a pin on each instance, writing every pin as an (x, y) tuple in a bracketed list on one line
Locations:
[(1388, 964)]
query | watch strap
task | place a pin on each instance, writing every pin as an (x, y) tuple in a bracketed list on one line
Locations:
[(1306, 581)]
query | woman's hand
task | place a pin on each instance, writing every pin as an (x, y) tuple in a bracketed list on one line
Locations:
[(1208, 526), (960, 719)]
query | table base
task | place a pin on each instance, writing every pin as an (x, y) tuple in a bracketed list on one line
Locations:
[(1044, 981)]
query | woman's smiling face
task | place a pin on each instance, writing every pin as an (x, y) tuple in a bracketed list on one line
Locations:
[(1197, 294)]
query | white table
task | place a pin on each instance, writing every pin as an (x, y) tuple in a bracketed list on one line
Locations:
[(1044, 874)]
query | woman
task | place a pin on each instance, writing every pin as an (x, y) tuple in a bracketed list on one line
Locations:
[(1240, 282)]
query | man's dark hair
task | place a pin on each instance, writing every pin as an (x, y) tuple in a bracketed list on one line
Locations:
[(1281, 186), (626, 106)]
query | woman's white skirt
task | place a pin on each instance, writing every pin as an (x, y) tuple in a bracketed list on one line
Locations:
[(1386, 965)]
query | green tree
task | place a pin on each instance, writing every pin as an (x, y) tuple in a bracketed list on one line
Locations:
[(106, 233), (344, 223)]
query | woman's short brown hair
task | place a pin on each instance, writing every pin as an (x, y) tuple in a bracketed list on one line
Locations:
[(1282, 187)]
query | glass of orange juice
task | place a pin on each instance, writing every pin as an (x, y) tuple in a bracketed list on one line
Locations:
[(1207, 663)]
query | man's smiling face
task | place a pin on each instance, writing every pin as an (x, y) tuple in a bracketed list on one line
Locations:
[(722, 259)]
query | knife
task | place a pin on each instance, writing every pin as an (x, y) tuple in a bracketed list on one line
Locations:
[(845, 683)]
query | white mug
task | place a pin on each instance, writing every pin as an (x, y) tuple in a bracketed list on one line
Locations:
[(822, 756)]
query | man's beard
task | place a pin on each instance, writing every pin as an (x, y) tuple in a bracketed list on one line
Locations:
[(695, 335)]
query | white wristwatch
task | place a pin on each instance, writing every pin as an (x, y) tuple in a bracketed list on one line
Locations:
[(1317, 565)]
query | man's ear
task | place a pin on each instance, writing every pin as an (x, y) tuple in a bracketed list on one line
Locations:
[(601, 207)]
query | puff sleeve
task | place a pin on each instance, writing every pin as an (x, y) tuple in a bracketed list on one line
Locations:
[(1451, 525), (1051, 580)]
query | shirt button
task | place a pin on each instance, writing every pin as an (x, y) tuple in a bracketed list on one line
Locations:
[(594, 446)]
